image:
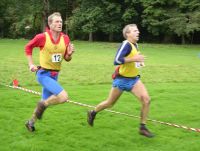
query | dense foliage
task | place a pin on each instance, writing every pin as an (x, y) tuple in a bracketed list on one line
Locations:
[(175, 21)]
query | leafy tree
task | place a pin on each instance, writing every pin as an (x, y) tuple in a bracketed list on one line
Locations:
[(3, 23), (17, 17), (154, 15), (111, 22), (131, 11), (162, 19), (180, 17), (86, 17), (186, 18)]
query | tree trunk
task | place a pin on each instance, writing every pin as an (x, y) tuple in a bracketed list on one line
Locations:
[(1, 34), (2, 30), (72, 35), (192, 36), (68, 14), (111, 37), (45, 14), (182, 39), (90, 36), (167, 39)]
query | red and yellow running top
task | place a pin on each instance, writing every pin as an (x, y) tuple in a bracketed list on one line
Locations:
[(51, 52)]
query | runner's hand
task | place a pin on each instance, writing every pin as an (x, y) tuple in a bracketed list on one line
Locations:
[(33, 68), (70, 49)]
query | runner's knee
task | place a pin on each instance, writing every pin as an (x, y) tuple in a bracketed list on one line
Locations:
[(145, 100), (63, 97)]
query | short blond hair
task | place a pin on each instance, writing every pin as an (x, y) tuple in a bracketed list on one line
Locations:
[(126, 29), (50, 18)]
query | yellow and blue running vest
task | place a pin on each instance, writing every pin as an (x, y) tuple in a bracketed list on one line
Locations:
[(51, 56), (129, 69)]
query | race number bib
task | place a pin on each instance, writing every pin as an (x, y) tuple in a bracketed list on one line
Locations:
[(139, 64), (56, 57)]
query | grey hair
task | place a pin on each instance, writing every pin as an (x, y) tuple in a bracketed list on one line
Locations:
[(126, 29), (50, 18)]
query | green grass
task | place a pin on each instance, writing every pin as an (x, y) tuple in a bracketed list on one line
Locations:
[(171, 75)]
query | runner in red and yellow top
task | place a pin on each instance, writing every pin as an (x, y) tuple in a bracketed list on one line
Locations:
[(128, 61), (51, 55), (54, 48)]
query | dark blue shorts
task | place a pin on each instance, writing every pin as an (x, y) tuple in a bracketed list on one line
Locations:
[(125, 84), (48, 80)]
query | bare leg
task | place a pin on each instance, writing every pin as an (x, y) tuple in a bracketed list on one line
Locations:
[(114, 95), (141, 93), (42, 105), (60, 98)]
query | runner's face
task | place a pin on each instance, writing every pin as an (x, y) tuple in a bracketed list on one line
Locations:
[(133, 35), (56, 24)]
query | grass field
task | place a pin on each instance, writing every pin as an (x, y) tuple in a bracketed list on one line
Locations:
[(172, 76)]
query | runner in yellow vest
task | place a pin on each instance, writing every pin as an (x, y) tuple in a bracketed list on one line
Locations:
[(54, 48), (126, 78)]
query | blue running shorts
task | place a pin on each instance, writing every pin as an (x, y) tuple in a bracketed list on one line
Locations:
[(125, 84), (48, 80)]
